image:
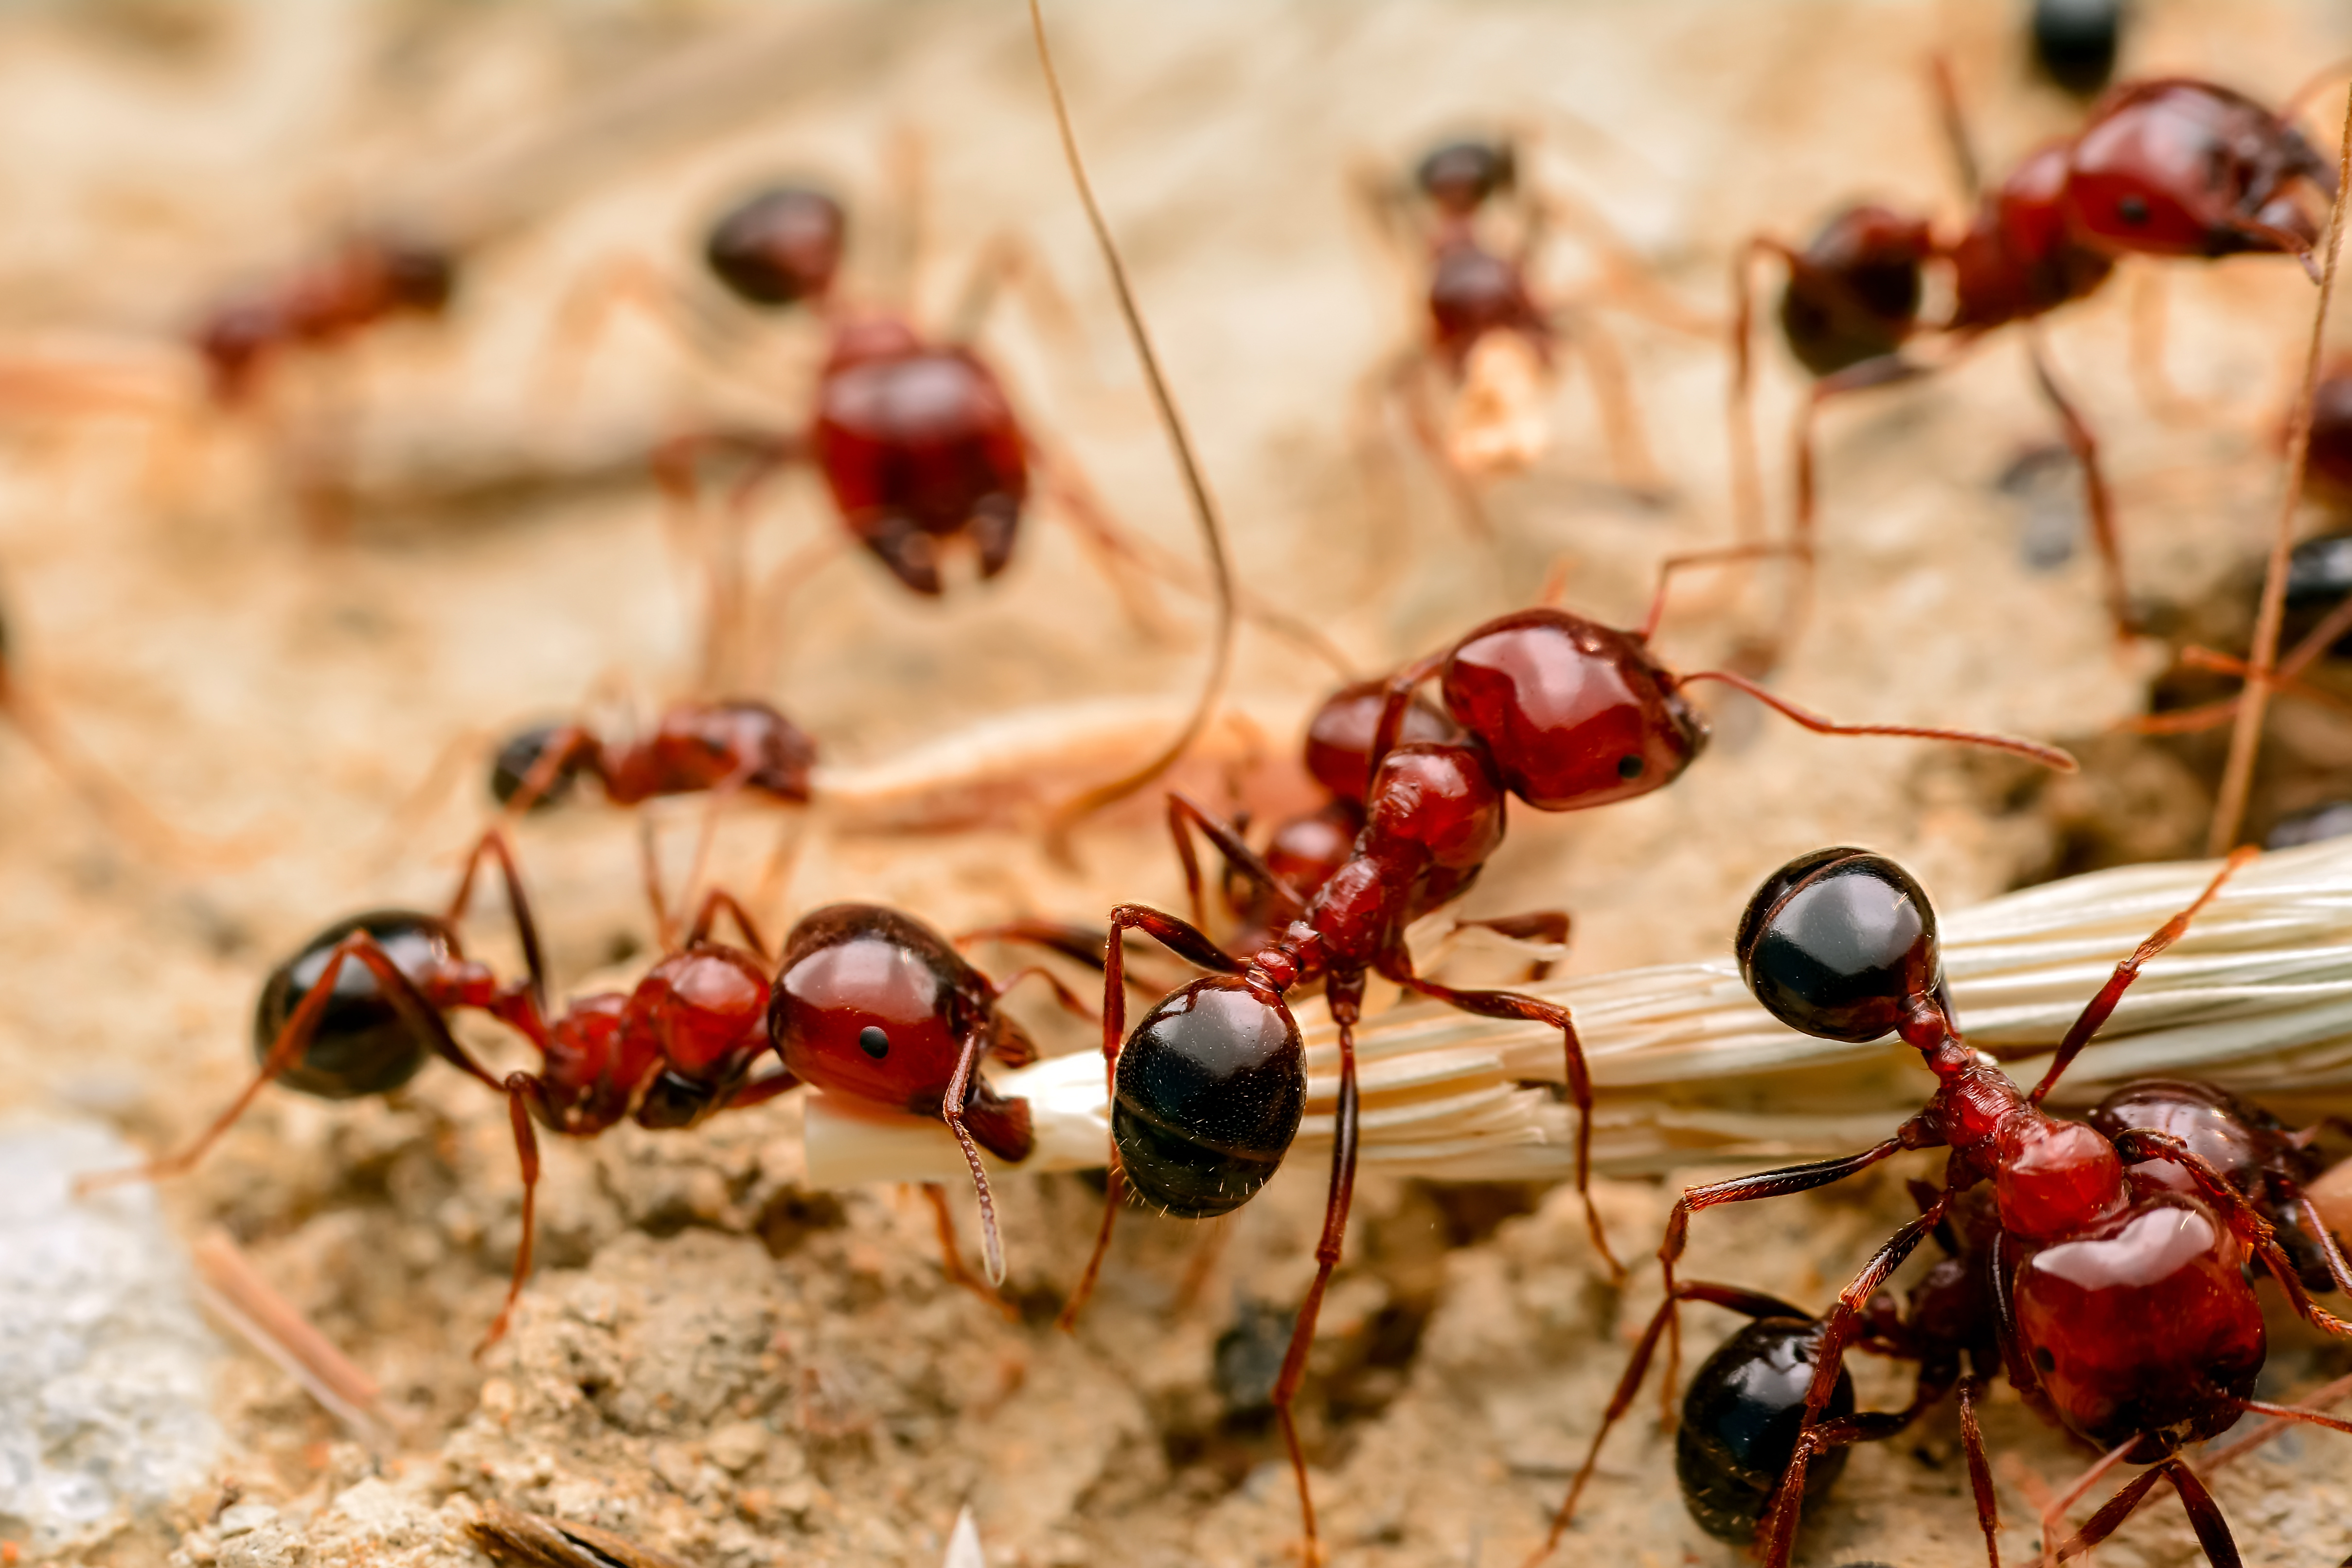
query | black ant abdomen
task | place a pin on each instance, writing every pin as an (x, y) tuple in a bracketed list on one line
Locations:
[(1836, 942), (365, 1044), (1462, 176), (523, 753), (2075, 42), (2319, 579), (779, 247), (1211, 1085), (1740, 1426)]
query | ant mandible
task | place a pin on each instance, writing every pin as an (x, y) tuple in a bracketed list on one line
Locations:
[(2170, 167), (1840, 944), (1207, 1092)]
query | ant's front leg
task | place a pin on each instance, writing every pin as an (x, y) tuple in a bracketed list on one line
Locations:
[(1186, 816), (493, 844)]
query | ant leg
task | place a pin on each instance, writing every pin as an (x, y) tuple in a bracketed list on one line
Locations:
[(522, 1089), (2103, 1005), (1776, 1536), (1541, 928), (566, 749), (1511, 1004), (1409, 388), (2338, 1269), (1888, 369), (2204, 1515), (1979, 1470), (759, 1091), (1620, 417), (706, 920), (1751, 1303), (1184, 812), (1747, 478), (1069, 999), (1186, 941), (1345, 993), (590, 305), (1673, 564), (109, 798), (2096, 499), (951, 1113), (493, 844), (1106, 543), (951, 1255), (1746, 1189)]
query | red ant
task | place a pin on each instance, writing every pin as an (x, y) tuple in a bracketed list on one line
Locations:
[(2172, 167), (322, 305), (1487, 333), (361, 1007), (1207, 1092), (2146, 1215)]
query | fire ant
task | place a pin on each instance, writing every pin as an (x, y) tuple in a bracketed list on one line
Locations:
[(321, 305), (2170, 167), (1488, 334), (2147, 1215), (1207, 1092)]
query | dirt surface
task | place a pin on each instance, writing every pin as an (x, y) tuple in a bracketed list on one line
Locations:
[(712, 1358)]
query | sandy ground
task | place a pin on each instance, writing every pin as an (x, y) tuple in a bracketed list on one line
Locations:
[(713, 1358)]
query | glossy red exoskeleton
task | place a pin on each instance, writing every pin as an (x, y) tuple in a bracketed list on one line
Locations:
[(364, 1004), (2114, 1252), (696, 747), (1207, 1092), (2172, 167)]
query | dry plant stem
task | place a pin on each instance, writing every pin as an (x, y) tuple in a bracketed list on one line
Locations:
[(535, 1541), (2245, 736), (269, 1322), (1204, 510)]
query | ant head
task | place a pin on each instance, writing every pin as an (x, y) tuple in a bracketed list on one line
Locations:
[(874, 1004), (1840, 944), (2075, 42), (1212, 1084), (779, 247), (2187, 168), (704, 1011), (1442, 797), (522, 754), (1854, 293), (1740, 1426), (1339, 737), (1459, 177), (1572, 713), (365, 1044)]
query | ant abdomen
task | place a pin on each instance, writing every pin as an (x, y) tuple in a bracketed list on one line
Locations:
[(1853, 295), (1212, 1084), (365, 1043), (1339, 737), (1573, 714), (778, 247), (1740, 1426), (521, 754), (1459, 177), (1840, 944)]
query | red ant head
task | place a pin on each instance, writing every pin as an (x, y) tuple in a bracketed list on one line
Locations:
[(2186, 168), (1339, 737), (365, 1044), (2142, 1328), (1853, 295), (778, 248), (1460, 177), (742, 743), (704, 1011), (1211, 1087), (2022, 255), (1441, 796), (2330, 469), (1840, 944), (875, 1005), (1572, 713)]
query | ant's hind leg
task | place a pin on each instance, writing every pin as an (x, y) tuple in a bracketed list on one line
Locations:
[(2204, 1516), (521, 1088)]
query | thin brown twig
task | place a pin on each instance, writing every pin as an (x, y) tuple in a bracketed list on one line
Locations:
[(2245, 736)]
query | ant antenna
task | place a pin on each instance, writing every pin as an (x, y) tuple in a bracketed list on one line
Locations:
[(2032, 751), (2245, 736), (1204, 510)]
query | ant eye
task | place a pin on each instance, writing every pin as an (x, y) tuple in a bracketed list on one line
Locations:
[(1629, 766), (1840, 944), (2132, 209), (874, 1042)]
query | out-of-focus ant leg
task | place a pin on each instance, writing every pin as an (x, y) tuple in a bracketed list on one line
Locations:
[(493, 844), (1746, 473), (2150, 298), (2204, 1516), (718, 902), (2097, 501), (1630, 458)]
